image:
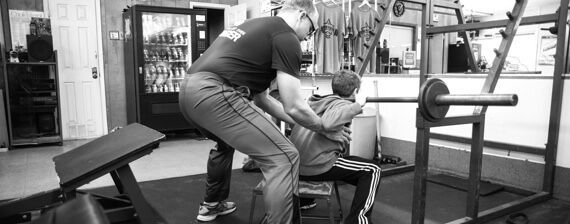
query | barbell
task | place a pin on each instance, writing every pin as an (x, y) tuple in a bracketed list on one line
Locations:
[(434, 99)]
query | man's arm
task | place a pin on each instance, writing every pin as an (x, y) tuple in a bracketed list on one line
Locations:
[(293, 103), (272, 106), (301, 113)]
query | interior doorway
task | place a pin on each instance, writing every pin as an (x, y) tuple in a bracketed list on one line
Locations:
[(220, 16), (75, 31), (215, 18)]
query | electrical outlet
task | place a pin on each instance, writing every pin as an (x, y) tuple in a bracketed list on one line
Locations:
[(114, 35)]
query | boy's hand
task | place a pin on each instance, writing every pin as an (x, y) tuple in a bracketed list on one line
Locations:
[(360, 98)]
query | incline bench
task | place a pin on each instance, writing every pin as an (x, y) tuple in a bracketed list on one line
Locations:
[(109, 154)]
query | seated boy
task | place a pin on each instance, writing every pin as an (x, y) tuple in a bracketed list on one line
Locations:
[(324, 160)]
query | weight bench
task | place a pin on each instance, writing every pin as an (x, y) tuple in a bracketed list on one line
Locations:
[(308, 189), (84, 209), (109, 154)]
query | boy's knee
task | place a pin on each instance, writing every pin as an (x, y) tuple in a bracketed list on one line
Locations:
[(377, 169)]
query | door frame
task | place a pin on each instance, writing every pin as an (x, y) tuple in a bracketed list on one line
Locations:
[(100, 60), (206, 5), (101, 65)]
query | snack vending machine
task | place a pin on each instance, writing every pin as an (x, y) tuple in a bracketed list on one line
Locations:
[(160, 45)]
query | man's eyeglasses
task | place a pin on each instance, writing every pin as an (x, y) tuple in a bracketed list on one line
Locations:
[(312, 30)]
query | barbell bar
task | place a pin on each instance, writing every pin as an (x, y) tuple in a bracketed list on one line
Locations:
[(434, 99), (477, 99), (394, 99), (455, 99)]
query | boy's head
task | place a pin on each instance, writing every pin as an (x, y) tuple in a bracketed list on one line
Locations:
[(344, 82)]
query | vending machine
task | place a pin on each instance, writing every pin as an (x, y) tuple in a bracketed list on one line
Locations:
[(160, 45)]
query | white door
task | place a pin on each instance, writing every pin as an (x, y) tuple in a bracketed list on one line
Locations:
[(74, 28)]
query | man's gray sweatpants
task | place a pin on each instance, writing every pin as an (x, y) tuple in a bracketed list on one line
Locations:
[(223, 114)]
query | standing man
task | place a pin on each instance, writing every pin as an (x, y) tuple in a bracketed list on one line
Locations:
[(216, 98)]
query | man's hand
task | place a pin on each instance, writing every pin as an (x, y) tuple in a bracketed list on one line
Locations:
[(360, 98), (342, 136)]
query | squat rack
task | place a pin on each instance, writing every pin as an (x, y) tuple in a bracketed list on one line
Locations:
[(423, 125), (514, 19)]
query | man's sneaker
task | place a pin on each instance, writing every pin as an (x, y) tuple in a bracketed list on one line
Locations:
[(307, 203), (209, 213)]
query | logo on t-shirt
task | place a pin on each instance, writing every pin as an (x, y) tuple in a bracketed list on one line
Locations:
[(365, 31), (233, 33), (328, 29)]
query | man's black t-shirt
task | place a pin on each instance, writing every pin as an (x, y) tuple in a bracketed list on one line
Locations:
[(251, 53)]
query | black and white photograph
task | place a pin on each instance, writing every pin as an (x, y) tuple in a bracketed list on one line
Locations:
[(284, 112)]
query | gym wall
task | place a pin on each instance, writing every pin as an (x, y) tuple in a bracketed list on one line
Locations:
[(525, 124), (111, 15)]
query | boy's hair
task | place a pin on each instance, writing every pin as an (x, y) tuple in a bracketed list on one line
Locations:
[(305, 5), (344, 82)]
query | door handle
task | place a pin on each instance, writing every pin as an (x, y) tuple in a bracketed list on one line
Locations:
[(94, 73)]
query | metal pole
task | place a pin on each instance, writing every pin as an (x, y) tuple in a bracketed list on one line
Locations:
[(472, 209), (426, 21), (420, 172), (455, 99), (391, 99), (556, 101), (145, 213), (509, 34), (466, 41), (477, 99)]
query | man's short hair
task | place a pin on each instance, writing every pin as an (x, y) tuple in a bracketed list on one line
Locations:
[(344, 82), (305, 5)]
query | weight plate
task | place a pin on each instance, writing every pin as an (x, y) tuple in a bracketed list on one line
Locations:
[(426, 100)]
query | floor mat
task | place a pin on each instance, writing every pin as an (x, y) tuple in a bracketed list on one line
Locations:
[(485, 188), (177, 199)]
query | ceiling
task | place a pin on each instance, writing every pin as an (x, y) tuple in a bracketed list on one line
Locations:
[(499, 6)]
